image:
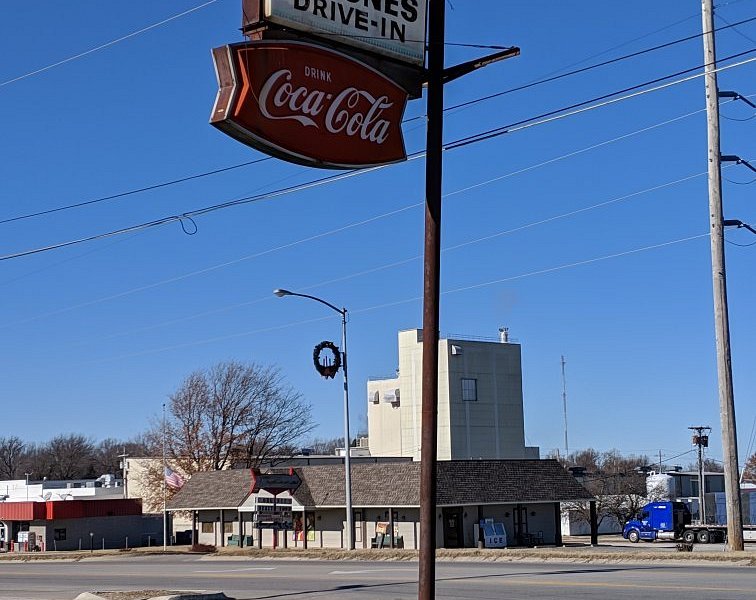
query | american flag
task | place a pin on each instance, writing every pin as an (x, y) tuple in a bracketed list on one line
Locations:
[(173, 479)]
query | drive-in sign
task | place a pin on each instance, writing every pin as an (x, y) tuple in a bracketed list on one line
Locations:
[(393, 28), (308, 104)]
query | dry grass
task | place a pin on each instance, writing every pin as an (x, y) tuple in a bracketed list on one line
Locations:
[(578, 554), (568, 554)]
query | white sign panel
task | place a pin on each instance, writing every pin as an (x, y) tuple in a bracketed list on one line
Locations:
[(393, 28)]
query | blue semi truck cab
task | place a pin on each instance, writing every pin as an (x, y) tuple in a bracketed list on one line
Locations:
[(667, 520)]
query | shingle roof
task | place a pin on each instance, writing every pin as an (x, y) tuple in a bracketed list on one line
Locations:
[(398, 484), (506, 481), (213, 489), (458, 482), (384, 484)]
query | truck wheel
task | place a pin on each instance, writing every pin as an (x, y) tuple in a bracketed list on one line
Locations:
[(633, 536), (703, 537), (689, 537)]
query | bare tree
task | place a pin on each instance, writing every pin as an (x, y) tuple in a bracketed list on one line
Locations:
[(11, 455), (63, 457), (613, 479), (231, 413), (750, 469), (710, 466), (278, 420), (325, 446), (106, 458), (71, 457)]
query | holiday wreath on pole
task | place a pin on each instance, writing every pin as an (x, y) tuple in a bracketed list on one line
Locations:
[(327, 366)]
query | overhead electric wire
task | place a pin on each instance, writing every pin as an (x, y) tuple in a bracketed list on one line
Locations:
[(407, 300), (106, 44), (140, 190), (340, 176), (360, 273), (384, 215), (607, 99), (735, 28), (392, 213), (588, 68), (409, 120)]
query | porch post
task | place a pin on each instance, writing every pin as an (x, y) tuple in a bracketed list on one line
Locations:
[(304, 528), (391, 525), (594, 524), (558, 525), (222, 529), (241, 528), (194, 527)]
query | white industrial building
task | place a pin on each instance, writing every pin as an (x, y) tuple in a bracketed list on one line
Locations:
[(480, 405)]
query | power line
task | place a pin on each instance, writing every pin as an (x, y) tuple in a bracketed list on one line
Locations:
[(449, 109), (609, 98), (409, 120), (106, 44), (360, 273), (333, 178), (147, 188), (588, 68), (407, 300)]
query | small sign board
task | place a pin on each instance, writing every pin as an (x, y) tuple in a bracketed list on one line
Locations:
[(390, 28), (275, 483)]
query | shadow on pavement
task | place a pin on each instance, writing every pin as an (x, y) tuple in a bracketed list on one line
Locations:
[(376, 586)]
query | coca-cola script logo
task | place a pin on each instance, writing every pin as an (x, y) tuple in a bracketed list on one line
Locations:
[(308, 104)]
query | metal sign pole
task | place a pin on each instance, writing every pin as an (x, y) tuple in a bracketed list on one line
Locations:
[(432, 268)]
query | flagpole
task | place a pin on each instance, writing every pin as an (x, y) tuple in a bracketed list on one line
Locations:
[(165, 483)]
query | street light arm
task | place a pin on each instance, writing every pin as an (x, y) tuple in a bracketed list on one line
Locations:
[(281, 293), (737, 223)]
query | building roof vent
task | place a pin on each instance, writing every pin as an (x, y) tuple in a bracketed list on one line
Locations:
[(504, 335)]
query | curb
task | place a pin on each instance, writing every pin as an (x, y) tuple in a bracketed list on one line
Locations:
[(181, 596)]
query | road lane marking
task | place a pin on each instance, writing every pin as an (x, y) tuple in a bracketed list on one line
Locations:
[(503, 580), (367, 571), (237, 570)]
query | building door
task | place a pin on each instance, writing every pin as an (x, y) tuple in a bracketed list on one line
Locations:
[(453, 527), (520, 515)]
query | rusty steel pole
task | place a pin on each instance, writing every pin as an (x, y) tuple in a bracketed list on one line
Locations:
[(431, 293)]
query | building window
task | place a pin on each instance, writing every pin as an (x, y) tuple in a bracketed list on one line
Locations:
[(59, 535), (228, 527), (207, 527), (469, 390)]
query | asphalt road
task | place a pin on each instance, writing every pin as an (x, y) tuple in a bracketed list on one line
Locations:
[(246, 579)]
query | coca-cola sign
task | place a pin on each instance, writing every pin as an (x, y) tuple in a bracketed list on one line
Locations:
[(308, 104)]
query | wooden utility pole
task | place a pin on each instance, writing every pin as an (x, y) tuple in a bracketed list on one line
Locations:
[(719, 276)]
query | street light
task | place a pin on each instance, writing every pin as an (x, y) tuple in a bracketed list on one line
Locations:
[(738, 224), (347, 456)]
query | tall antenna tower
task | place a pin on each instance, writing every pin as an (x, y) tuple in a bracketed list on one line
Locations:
[(564, 407)]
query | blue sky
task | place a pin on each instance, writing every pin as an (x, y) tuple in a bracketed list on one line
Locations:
[(95, 336)]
